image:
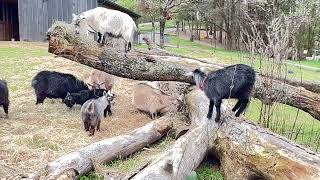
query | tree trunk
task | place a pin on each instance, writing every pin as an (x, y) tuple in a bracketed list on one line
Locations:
[(162, 27), (221, 33), (183, 26), (192, 31), (246, 151), (312, 86), (158, 68), (215, 32), (81, 161), (177, 33), (153, 32)]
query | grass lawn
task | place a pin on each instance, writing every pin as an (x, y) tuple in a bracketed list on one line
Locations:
[(147, 27), (308, 63)]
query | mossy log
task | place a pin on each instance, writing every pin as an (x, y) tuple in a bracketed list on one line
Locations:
[(81, 161), (140, 66), (245, 150)]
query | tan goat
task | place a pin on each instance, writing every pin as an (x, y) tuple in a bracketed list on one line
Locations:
[(151, 100), (100, 80)]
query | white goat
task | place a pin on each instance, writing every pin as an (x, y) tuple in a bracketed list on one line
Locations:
[(107, 21)]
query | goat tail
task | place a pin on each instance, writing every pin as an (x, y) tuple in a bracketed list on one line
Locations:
[(90, 108)]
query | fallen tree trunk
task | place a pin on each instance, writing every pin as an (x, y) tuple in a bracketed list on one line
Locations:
[(188, 151), (81, 161), (312, 86), (64, 42), (246, 151)]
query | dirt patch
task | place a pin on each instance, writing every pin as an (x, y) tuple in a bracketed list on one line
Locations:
[(35, 135)]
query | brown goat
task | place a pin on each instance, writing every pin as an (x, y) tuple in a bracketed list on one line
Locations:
[(100, 80), (151, 100)]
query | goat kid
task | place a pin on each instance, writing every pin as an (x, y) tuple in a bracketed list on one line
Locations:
[(85, 95), (92, 112), (234, 81)]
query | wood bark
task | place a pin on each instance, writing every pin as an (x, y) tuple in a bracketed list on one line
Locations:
[(138, 66), (81, 161), (188, 151), (246, 151)]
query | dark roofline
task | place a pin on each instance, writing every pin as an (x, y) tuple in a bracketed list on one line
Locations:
[(118, 7)]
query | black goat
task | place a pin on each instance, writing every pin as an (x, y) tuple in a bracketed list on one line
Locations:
[(4, 97), (234, 81), (51, 84), (80, 98)]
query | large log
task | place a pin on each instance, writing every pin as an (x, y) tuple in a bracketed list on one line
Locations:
[(189, 150), (246, 151), (64, 42), (81, 161)]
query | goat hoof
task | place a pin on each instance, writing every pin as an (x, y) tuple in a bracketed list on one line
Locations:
[(217, 119), (209, 117)]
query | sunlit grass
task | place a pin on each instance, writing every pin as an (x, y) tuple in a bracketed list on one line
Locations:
[(147, 27)]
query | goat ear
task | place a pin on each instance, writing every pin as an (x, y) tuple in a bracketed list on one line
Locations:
[(74, 16), (68, 94), (189, 74), (104, 93)]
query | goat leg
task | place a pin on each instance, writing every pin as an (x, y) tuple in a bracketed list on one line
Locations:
[(105, 112), (98, 126), (99, 37), (91, 131), (236, 106), (218, 110), (6, 110), (244, 103), (210, 109), (86, 126)]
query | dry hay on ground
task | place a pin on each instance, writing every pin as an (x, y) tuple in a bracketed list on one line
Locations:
[(35, 135)]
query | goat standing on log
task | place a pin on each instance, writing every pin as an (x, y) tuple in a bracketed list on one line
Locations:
[(234, 81), (107, 21), (4, 97)]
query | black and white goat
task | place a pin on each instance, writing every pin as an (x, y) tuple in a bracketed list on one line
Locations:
[(234, 81)]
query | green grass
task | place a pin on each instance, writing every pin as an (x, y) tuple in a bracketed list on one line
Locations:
[(207, 173), (92, 176), (14, 63), (147, 27), (307, 63), (282, 121)]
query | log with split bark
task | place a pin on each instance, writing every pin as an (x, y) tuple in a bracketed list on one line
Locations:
[(81, 161), (245, 150), (141, 66)]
